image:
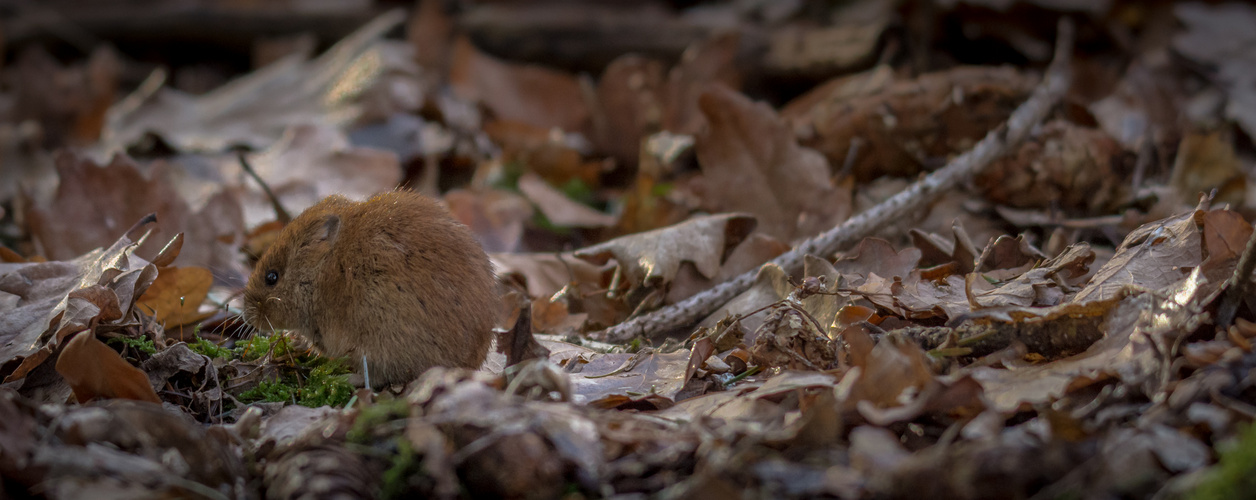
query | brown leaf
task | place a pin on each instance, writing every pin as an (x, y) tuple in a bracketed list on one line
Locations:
[(630, 100), (1065, 166), (93, 204), (895, 126), (556, 157), (1041, 286), (1155, 256), (176, 295), (560, 209), (894, 366), (771, 284), (918, 298), (652, 258), (62, 297), (525, 93), (619, 374), (712, 61), (310, 162), (95, 371), (1206, 162), (751, 163), (750, 254), (496, 217), (546, 273), (876, 256), (256, 109)]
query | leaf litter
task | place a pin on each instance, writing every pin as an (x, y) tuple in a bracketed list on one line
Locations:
[(1072, 320)]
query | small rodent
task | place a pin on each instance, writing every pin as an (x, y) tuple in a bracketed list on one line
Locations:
[(395, 279)]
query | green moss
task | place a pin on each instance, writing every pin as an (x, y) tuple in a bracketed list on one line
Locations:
[(375, 416), (255, 347), (272, 391), (509, 177), (580, 191), (142, 344), (304, 377), (327, 385), (1234, 476), (207, 348), (405, 463), (662, 189)]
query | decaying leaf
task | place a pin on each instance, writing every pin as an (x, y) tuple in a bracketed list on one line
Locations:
[(55, 299), (560, 209), (652, 258), (93, 371), (175, 297), (310, 162), (1154, 256), (495, 216), (256, 109), (892, 127), (752, 163), (93, 204), (530, 94)]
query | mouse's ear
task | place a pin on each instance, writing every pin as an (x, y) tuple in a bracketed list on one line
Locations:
[(329, 229)]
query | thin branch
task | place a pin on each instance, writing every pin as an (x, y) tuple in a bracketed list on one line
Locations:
[(924, 192), (1238, 286)]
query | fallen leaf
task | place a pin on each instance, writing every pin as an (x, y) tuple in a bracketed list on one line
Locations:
[(254, 110), (1077, 169), (751, 163), (1220, 35), (893, 127), (52, 299), (95, 371), (93, 204), (496, 217), (175, 297), (560, 209), (525, 93), (1206, 162), (652, 258), (876, 256), (310, 162), (1155, 256)]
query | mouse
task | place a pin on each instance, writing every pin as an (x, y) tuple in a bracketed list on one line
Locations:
[(394, 283)]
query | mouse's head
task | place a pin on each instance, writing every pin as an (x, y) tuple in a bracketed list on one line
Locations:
[(280, 292)]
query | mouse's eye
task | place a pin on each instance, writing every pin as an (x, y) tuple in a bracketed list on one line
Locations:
[(272, 277)]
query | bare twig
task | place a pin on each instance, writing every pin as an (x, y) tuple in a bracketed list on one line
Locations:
[(1030, 113), (280, 212), (1238, 286)]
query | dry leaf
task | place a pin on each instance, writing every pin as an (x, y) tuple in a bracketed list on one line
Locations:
[(176, 295), (93, 204), (895, 126), (45, 301), (652, 258), (1155, 256), (95, 371), (524, 93), (751, 163), (310, 162), (558, 208), (496, 217), (256, 109)]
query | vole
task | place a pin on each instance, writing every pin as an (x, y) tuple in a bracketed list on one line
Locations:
[(394, 279)]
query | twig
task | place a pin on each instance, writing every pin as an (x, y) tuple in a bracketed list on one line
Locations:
[(280, 213), (1030, 113), (1238, 285)]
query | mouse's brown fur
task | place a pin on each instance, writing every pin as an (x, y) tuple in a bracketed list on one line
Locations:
[(394, 278)]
